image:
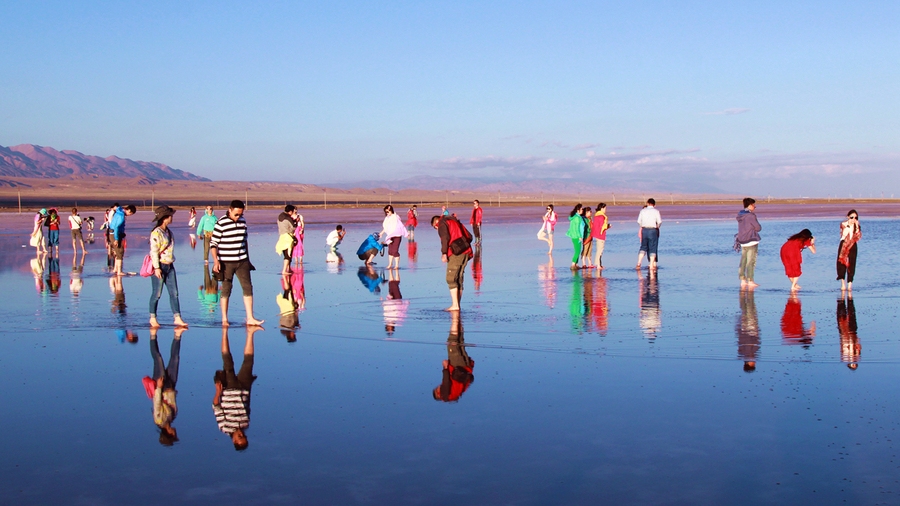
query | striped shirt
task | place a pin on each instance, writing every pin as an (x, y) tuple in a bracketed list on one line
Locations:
[(229, 237), (233, 410)]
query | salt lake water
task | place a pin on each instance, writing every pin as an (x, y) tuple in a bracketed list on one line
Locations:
[(585, 387)]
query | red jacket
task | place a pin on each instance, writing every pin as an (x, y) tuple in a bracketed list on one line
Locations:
[(476, 216)]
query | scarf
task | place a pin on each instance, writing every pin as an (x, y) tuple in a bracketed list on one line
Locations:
[(848, 243)]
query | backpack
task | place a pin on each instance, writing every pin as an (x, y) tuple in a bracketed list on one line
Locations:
[(460, 238)]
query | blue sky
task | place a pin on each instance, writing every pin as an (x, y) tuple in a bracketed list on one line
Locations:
[(780, 98)]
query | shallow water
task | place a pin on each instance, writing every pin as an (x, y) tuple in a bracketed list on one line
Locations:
[(588, 388)]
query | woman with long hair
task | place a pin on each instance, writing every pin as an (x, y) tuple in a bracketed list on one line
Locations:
[(791, 255), (393, 229), (576, 233), (162, 254), (846, 259), (546, 232)]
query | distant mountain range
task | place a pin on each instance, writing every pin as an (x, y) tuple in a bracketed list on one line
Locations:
[(30, 161)]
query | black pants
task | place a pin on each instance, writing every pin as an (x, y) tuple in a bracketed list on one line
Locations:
[(848, 270)]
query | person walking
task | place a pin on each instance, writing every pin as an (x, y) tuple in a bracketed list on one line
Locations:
[(546, 232), (475, 221), (576, 233), (791, 255), (747, 239), (846, 259), (598, 234), (649, 219), (412, 221), (392, 228), (231, 255), (75, 223), (162, 254), (456, 250), (205, 229)]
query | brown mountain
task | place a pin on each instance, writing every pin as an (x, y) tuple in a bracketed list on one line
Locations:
[(28, 160)]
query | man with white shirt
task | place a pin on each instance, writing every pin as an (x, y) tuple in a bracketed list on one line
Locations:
[(649, 220)]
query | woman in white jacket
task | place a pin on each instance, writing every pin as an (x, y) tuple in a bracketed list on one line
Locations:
[(394, 230)]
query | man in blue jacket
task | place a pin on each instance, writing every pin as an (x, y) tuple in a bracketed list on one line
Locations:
[(117, 225), (748, 240)]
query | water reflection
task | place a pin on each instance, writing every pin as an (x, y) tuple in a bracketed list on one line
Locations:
[(208, 293), (53, 281), (369, 278), (458, 368), (37, 265), (793, 330), (291, 299), (333, 260), (76, 283), (595, 302), (394, 306), (477, 275), (412, 249), (650, 319), (161, 387), (547, 282), (747, 330), (577, 303), (846, 321), (231, 404)]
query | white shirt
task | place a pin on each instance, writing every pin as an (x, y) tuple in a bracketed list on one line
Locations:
[(649, 218), (75, 222), (393, 226), (332, 239)]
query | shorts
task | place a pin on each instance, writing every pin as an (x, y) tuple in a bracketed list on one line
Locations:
[(368, 253), (456, 270), (394, 246), (240, 268), (650, 241), (118, 249), (76, 234)]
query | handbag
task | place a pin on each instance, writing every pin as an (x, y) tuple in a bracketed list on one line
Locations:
[(147, 266)]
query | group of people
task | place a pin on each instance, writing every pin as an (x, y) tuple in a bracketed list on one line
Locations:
[(747, 240), (49, 243)]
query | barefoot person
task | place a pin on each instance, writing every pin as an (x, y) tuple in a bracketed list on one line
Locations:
[(475, 221), (546, 232), (649, 220), (412, 221), (117, 244), (576, 233), (791, 255), (286, 241), (846, 259), (231, 255), (394, 231), (747, 239), (75, 223), (162, 254), (598, 234), (456, 250), (231, 404), (205, 230), (37, 234)]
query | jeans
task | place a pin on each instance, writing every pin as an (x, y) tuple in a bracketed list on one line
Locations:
[(171, 284), (748, 262)]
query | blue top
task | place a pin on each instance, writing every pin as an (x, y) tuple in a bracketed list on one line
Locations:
[(117, 224), (370, 242)]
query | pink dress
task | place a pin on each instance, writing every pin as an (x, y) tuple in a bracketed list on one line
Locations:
[(298, 249)]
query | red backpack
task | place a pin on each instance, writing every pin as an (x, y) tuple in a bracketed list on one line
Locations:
[(460, 238)]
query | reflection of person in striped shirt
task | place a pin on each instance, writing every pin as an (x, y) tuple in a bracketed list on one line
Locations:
[(230, 252), (231, 404)]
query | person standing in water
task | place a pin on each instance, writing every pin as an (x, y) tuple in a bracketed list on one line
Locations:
[(205, 230), (747, 239), (846, 259), (75, 223), (791, 255), (649, 219), (598, 234), (475, 221), (412, 221), (576, 233), (230, 250)]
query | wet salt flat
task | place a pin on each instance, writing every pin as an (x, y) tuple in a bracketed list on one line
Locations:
[(588, 387)]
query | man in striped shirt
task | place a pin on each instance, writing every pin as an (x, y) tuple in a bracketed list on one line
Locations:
[(231, 405), (230, 251)]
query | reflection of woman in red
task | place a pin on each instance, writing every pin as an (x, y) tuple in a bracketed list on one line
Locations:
[(846, 320), (791, 254), (792, 329)]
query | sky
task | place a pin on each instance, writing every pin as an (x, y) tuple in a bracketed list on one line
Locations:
[(764, 98)]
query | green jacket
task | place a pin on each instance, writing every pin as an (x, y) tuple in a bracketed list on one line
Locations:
[(207, 223), (576, 227)]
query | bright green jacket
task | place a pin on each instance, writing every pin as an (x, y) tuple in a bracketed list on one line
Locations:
[(576, 227)]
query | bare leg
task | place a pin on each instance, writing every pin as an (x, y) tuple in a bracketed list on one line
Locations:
[(179, 322), (652, 262), (286, 269), (153, 323), (224, 301), (850, 286), (794, 285), (454, 297), (640, 259), (248, 306)]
